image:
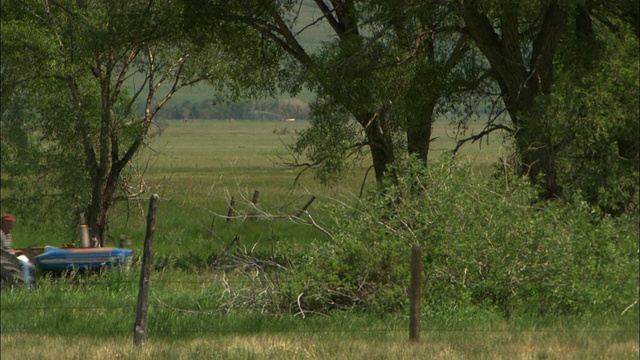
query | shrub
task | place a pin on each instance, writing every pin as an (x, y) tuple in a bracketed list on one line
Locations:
[(488, 244)]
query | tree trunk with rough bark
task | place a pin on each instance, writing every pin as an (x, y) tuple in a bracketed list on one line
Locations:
[(380, 143), (523, 80)]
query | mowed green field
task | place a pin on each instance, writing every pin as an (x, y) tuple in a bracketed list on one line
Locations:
[(241, 155), (197, 167)]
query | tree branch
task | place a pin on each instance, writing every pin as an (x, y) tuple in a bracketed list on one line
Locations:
[(483, 133)]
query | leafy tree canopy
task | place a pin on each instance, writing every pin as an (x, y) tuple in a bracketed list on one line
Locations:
[(82, 83)]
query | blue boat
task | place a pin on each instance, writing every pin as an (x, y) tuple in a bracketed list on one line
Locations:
[(56, 259)]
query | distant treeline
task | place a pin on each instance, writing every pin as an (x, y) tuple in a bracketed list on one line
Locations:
[(259, 110)]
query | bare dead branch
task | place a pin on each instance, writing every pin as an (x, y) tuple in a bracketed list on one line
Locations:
[(483, 133)]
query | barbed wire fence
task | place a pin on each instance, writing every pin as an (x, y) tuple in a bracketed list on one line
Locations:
[(128, 308)]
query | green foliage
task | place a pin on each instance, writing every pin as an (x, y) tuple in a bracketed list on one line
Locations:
[(330, 143), (76, 113), (488, 245), (571, 90), (593, 116), (386, 66), (78, 101)]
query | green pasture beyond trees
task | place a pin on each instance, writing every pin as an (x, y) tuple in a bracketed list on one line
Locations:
[(197, 166)]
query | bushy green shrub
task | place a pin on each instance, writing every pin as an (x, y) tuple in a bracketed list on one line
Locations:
[(488, 244)]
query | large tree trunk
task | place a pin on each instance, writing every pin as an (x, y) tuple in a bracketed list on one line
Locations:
[(101, 200), (537, 158), (520, 82), (97, 217), (419, 133), (418, 141), (380, 143)]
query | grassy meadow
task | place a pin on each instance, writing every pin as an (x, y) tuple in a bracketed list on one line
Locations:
[(196, 168)]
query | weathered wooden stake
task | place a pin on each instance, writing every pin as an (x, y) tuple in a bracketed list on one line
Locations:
[(236, 240), (256, 195), (415, 293), (253, 215), (213, 221), (304, 208), (140, 327), (232, 203)]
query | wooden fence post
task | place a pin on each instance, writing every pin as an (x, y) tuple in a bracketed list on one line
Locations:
[(304, 208), (213, 221), (415, 293), (253, 215), (232, 203), (140, 327), (256, 195)]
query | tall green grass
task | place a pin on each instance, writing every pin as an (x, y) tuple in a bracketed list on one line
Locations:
[(92, 317)]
